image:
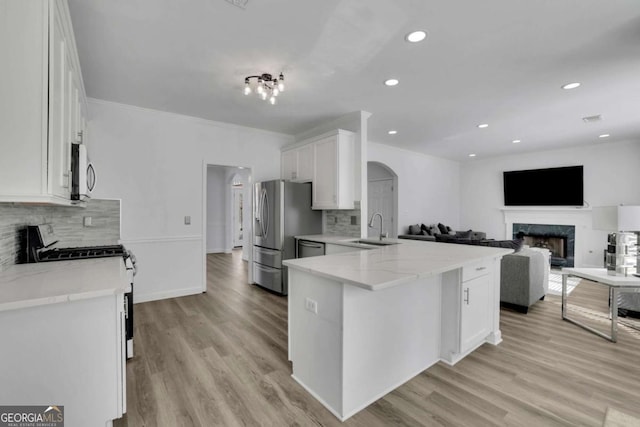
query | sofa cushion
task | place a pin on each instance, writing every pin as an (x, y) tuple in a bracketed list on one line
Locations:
[(515, 244), (415, 229), (464, 234)]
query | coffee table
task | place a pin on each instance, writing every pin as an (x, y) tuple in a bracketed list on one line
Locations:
[(616, 285)]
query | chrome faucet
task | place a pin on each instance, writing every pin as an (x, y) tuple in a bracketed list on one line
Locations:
[(381, 222)]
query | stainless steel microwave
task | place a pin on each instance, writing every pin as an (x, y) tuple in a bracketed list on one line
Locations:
[(83, 173)]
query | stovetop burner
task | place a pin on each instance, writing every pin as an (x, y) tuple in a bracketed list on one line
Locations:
[(59, 254)]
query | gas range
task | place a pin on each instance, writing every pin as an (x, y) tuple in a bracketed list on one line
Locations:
[(37, 245)]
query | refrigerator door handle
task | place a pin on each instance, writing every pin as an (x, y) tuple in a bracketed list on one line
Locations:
[(263, 192), (266, 223)]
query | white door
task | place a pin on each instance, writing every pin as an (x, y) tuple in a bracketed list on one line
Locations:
[(238, 210), (380, 199)]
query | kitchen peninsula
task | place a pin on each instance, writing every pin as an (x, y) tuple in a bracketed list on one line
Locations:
[(363, 323)]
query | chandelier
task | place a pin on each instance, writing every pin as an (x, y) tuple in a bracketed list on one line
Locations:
[(266, 86)]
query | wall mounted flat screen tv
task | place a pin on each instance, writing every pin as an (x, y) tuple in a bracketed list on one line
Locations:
[(544, 187)]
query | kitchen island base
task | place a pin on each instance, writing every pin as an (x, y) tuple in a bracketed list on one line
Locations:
[(349, 346)]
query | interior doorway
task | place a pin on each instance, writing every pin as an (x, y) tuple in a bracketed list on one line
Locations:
[(382, 196), (226, 209), (237, 215)]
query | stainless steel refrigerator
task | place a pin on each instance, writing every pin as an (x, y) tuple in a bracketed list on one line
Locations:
[(281, 210)]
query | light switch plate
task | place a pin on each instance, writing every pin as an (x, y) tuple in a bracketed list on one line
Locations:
[(187, 220), (311, 305)]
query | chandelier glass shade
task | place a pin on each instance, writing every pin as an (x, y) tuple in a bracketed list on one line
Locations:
[(265, 86)]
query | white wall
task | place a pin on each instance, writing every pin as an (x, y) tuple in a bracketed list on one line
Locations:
[(611, 177), (155, 162), (428, 187)]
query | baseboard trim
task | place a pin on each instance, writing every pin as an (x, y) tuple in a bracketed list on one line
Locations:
[(174, 293), (216, 251)]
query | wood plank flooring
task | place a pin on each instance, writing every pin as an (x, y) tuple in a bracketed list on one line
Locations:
[(220, 358)]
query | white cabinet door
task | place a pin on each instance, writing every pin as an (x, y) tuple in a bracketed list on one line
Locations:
[(305, 163), (325, 173), (474, 322), (289, 165), (59, 107), (44, 88)]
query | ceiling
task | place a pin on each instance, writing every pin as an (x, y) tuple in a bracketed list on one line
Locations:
[(500, 62)]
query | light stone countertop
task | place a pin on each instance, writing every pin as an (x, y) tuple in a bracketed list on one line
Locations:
[(394, 265), (31, 285)]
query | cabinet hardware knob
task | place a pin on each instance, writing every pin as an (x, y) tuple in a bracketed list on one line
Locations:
[(481, 268), (466, 297)]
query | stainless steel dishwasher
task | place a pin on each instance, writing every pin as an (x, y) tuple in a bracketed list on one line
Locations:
[(307, 248)]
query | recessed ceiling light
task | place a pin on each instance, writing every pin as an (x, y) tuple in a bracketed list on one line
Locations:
[(483, 125), (604, 135), (416, 36), (391, 82), (571, 85), (472, 155), (392, 132), (516, 141)]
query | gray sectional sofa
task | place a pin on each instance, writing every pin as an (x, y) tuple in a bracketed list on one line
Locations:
[(524, 274)]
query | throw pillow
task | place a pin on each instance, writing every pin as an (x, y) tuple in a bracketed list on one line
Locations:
[(415, 229), (425, 230), (434, 230), (442, 228)]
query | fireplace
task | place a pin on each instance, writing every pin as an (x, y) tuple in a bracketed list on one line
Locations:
[(558, 239)]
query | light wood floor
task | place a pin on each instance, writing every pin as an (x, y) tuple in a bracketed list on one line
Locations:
[(220, 358)]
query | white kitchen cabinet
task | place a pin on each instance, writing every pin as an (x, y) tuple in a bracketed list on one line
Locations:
[(474, 319), (469, 294), (333, 178), (297, 164), (62, 327), (289, 165), (45, 108)]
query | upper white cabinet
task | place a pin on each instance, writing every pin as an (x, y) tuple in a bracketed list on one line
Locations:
[(333, 172), (297, 163), (44, 108), (327, 162)]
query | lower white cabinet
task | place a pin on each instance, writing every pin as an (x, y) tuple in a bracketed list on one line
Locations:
[(469, 303), (474, 316), (70, 354)]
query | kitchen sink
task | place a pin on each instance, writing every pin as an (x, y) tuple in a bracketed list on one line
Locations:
[(375, 242)]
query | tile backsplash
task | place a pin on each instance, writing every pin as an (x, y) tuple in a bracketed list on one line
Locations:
[(67, 223), (340, 222)]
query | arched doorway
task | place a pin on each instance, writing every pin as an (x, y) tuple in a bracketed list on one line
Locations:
[(382, 196)]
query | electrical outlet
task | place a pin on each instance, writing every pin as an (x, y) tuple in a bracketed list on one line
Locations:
[(187, 220), (88, 222), (311, 305)]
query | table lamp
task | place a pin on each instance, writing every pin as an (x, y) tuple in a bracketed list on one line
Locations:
[(621, 255)]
